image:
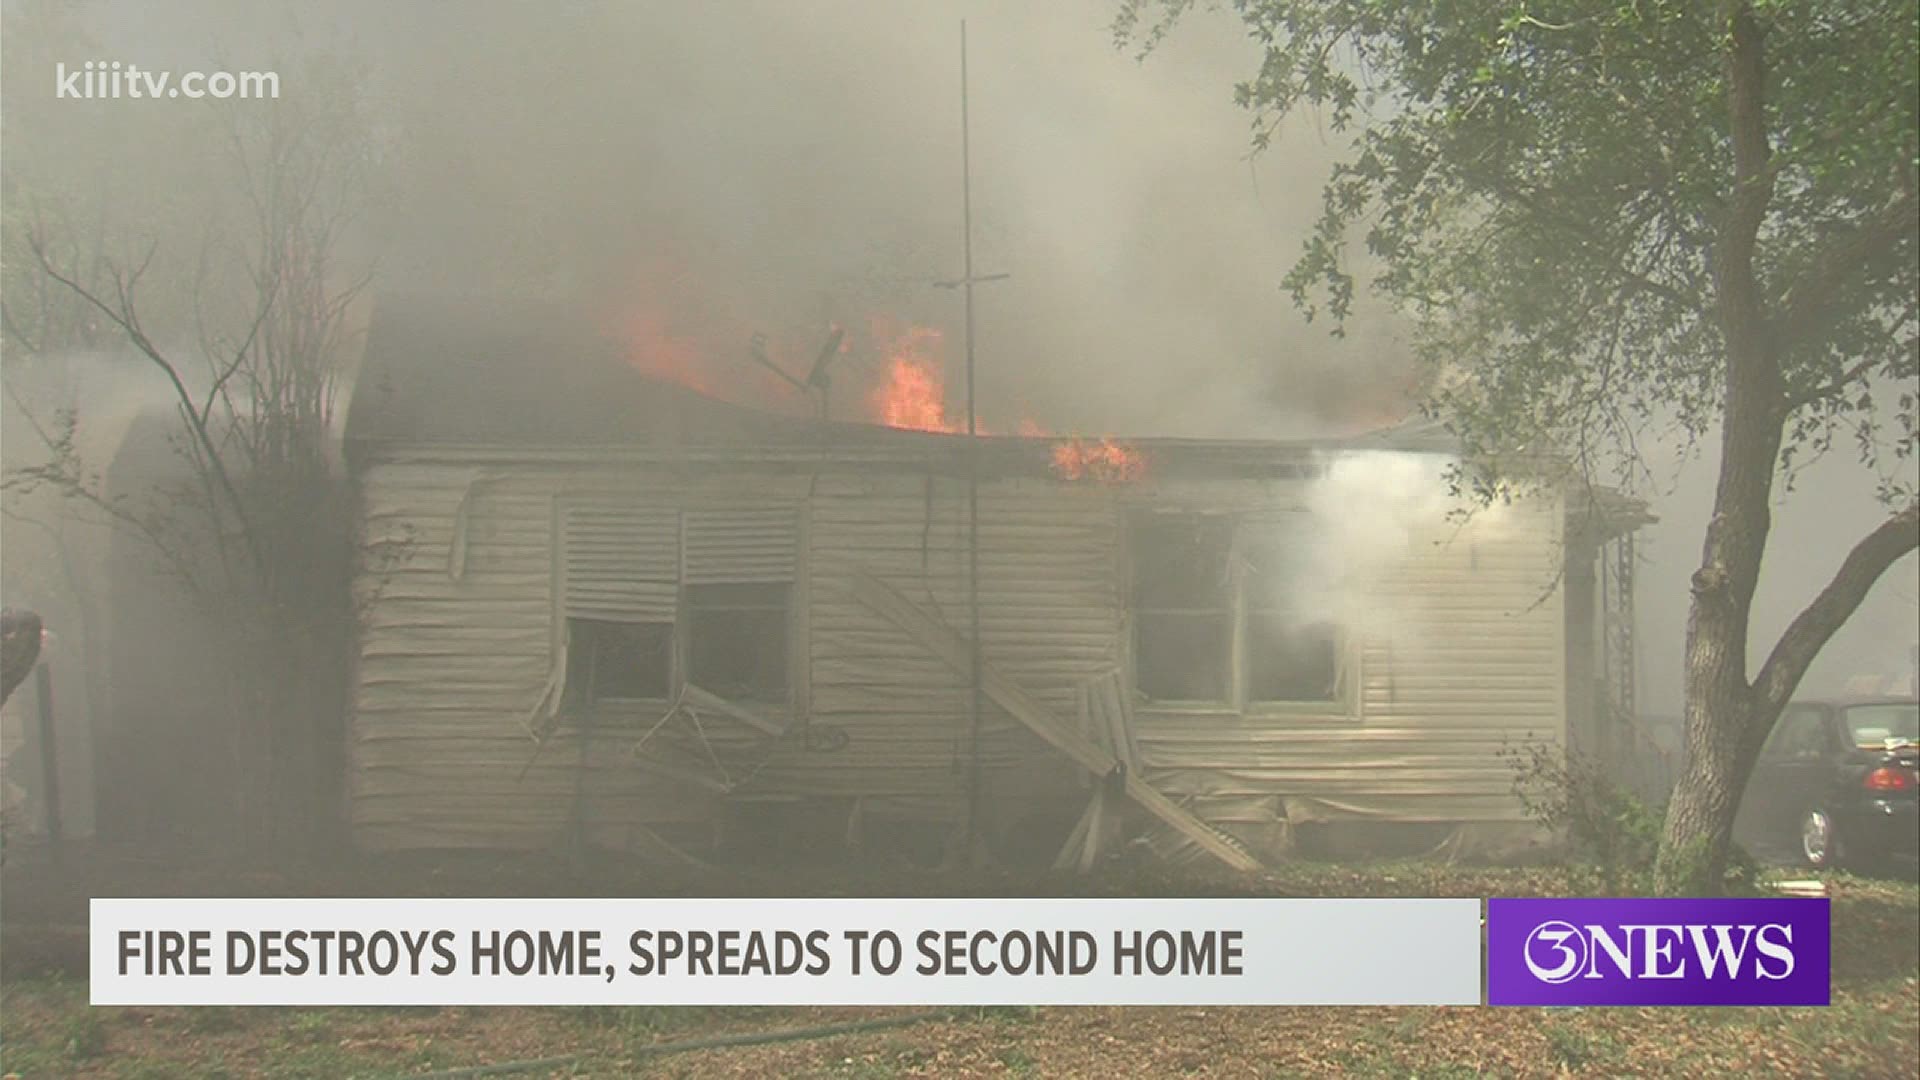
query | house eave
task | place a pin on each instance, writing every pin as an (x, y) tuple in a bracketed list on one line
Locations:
[(918, 451)]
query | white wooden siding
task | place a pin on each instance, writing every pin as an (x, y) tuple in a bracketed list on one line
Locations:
[(1467, 654), (451, 666), (1049, 618)]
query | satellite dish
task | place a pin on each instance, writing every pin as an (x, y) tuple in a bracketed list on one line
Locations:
[(818, 377)]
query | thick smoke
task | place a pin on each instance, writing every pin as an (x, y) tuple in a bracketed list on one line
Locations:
[(1831, 506), (709, 171), (1406, 503), (1376, 513), (693, 174)]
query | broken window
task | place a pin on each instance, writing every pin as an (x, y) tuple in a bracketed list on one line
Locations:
[(737, 640), (620, 567), (1183, 606), (740, 561), (657, 597), (618, 660), (1292, 652), (1291, 660), (1208, 588)]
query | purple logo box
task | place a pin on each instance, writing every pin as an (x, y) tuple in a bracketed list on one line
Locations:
[(1658, 952)]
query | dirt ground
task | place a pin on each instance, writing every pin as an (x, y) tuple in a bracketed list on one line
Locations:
[(47, 1029)]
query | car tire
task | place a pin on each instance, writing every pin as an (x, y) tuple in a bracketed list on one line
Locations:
[(1819, 840)]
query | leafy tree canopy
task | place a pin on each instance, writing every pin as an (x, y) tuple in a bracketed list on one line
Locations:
[(1552, 189), (1611, 213)]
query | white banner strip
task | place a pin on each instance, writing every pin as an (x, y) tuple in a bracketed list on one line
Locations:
[(785, 952)]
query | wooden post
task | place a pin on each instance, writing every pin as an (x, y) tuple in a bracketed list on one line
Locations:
[(49, 756), (975, 719), (1585, 727)]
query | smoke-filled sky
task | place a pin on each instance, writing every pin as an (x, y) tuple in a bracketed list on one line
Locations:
[(694, 173), (708, 171)]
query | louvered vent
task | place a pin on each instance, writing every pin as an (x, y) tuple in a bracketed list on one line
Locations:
[(621, 563), (741, 546)]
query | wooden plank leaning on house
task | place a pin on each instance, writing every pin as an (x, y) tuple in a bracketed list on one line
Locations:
[(1090, 832), (1106, 721), (953, 650)]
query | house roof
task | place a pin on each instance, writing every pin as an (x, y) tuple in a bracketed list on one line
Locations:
[(507, 379), (440, 370)]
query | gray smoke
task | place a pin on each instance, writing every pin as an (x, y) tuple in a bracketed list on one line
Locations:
[(697, 173), (718, 170)]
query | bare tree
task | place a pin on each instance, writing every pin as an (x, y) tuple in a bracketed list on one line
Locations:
[(257, 535)]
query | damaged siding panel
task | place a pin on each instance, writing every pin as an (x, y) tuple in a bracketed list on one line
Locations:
[(449, 666), (1363, 778), (1049, 618), (438, 656), (444, 661)]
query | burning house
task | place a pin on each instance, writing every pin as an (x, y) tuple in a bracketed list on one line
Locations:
[(599, 606)]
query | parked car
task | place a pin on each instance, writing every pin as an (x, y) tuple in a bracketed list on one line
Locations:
[(1838, 782)]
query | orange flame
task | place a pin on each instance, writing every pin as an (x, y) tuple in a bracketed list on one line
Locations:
[(913, 397), (915, 394), (1104, 461)]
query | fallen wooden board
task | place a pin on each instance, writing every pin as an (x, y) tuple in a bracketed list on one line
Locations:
[(952, 649), (1101, 823), (1093, 833), (1069, 856)]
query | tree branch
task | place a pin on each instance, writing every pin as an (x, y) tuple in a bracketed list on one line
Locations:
[(1583, 229), (1808, 301), (1794, 652), (218, 389), (1752, 178), (1828, 389), (126, 317)]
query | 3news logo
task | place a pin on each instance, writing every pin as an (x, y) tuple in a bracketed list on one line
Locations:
[(1658, 952)]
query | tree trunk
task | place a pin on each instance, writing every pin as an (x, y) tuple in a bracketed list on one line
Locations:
[(1719, 707), (1728, 716), (1721, 712), (1728, 719), (1720, 756)]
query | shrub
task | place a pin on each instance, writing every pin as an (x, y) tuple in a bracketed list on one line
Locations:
[(1602, 823)]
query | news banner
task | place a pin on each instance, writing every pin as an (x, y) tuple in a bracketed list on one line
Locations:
[(1539, 952)]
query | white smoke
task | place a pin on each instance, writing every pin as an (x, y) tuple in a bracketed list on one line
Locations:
[(1369, 511)]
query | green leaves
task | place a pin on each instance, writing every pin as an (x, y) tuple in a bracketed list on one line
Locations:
[(1544, 186)]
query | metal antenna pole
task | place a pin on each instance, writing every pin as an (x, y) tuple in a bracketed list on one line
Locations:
[(973, 466), (967, 281)]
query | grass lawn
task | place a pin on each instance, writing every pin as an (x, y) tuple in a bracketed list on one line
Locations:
[(1872, 1028)]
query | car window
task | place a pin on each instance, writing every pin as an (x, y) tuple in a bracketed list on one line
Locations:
[(1875, 725), (1800, 735)]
